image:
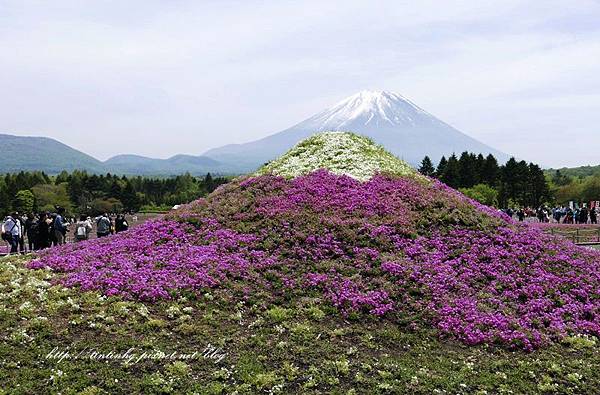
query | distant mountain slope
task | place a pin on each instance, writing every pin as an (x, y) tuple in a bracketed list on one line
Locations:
[(42, 153), (389, 119), (135, 164), (51, 156)]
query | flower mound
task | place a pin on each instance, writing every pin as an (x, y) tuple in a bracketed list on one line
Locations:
[(340, 153), (402, 249)]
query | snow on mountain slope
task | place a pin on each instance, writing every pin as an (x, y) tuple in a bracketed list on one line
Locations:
[(371, 108), (388, 118)]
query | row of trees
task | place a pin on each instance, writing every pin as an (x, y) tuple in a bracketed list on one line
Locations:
[(80, 192), (516, 183), (576, 188)]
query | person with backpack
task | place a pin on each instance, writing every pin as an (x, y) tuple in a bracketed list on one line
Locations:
[(121, 224), (103, 225), (31, 229), (11, 232), (60, 226), (82, 229)]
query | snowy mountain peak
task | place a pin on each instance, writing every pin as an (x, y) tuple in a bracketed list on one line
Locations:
[(386, 117), (369, 107)]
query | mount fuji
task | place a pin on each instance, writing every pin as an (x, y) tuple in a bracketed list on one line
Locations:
[(389, 119)]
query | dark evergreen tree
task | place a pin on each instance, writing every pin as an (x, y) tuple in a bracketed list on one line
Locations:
[(427, 168), (479, 163), (62, 177), (490, 171), (5, 200), (441, 168), (467, 174), (115, 190), (538, 190), (208, 182), (129, 198), (451, 176)]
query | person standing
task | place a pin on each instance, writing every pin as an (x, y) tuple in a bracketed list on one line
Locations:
[(103, 225), (21, 240), (60, 226), (540, 214), (593, 215), (12, 232), (583, 215), (43, 233), (31, 228), (83, 229)]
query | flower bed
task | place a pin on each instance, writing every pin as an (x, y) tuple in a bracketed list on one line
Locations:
[(340, 153), (402, 249)]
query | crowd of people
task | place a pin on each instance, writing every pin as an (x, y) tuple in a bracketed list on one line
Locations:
[(31, 232), (563, 215)]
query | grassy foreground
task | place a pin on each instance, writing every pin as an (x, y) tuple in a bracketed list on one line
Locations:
[(300, 347)]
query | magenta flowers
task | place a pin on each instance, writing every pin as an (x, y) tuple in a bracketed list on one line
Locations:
[(395, 248)]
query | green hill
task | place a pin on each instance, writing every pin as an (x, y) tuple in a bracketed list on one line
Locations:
[(141, 165), (52, 157), (43, 154), (576, 172)]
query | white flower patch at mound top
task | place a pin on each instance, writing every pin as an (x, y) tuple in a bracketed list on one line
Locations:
[(340, 153)]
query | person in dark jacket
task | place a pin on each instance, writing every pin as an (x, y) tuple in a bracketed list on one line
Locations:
[(31, 228), (583, 215), (43, 234), (593, 216), (121, 224)]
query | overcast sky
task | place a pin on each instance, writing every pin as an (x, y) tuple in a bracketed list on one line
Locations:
[(158, 78)]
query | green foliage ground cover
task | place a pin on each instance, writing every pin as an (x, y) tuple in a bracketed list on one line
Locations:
[(295, 347)]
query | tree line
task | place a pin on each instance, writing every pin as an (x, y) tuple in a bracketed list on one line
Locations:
[(80, 192), (573, 185), (516, 183)]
